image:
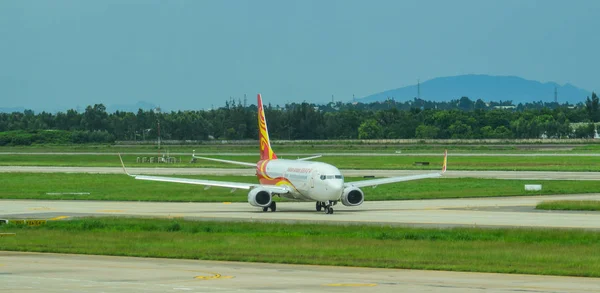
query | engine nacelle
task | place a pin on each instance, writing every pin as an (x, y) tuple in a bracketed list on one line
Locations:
[(352, 196), (259, 197)]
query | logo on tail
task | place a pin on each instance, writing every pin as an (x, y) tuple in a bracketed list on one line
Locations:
[(266, 153)]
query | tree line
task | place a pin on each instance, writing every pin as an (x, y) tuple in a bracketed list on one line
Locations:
[(457, 119)]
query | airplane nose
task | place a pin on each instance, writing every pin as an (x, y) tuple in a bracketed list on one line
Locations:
[(336, 188)]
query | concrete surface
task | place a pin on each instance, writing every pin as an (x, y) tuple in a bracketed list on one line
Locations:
[(37, 272), (476, 212)]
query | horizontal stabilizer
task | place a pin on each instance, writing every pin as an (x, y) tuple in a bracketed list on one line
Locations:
[(309, 158)]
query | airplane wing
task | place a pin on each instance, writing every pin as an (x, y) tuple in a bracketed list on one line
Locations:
[(375, 182), (225, 161), (227, 184)]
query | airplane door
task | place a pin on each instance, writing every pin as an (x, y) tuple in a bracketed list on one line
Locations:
[(312, 179)]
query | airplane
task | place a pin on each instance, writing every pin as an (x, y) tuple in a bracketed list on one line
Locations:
[(298, 180)]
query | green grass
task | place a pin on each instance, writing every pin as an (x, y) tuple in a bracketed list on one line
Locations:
[(523, 251), (327, 146), (392, 162), (124, 188), (570, 205)]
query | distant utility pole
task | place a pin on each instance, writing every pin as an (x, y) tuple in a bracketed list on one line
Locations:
[(555, 95), (158, 138), (332, 100), (418, 89), (245, 101)]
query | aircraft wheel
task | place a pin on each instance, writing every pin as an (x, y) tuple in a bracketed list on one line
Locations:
[(265, 209), (273, 206), (330, 210), (319, 206)]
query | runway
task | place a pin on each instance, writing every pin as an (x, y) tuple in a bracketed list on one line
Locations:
[(37, 272), (475, 212), (532, 175)]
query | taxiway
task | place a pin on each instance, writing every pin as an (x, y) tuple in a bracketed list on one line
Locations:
[(471, 212), (39, 272)]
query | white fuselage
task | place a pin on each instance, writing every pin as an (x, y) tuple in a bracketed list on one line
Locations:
[(308, 181)]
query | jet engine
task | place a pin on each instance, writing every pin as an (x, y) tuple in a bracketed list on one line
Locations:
[(259, 197), (352, 196)]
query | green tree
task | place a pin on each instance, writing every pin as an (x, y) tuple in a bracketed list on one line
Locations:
[(585, 131), (460, 130), (426, 131), (466, 104), (592, 107), (370, 129)]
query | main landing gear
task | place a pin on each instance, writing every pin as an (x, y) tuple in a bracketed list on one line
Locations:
[(327, 206), (272, 206)]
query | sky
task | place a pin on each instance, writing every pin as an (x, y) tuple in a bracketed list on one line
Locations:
[(63, 54)]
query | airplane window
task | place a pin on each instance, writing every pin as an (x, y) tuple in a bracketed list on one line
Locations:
[(338, 177), (322, 177), (329, 176)]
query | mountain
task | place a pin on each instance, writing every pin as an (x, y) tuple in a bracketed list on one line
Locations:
[(485, 87)]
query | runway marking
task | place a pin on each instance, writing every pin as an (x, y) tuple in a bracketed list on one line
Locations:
[(7, 235), (178, 216), (226, 202), (41, 209), (351, 285), (58, 218), (28, 222), (213, 277), (110, 211)]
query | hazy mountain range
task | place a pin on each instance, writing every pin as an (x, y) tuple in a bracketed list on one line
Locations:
[(485, 87)]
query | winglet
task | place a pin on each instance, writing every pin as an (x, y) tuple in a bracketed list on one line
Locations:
[(445, 161), (123, 165)]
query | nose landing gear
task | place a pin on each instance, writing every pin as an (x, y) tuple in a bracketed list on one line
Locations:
[(326, 205)]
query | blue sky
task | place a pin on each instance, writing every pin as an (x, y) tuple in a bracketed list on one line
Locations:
[(193, 54)]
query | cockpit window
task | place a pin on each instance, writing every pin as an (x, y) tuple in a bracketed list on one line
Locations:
[(323, 177)]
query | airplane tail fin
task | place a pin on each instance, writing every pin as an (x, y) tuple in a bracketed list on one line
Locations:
[(445, 164), (266, 152)]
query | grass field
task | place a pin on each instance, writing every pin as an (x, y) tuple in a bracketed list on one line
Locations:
[(122, 187), (523, 251), (506, 163), (570, 205), (327, 147)]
